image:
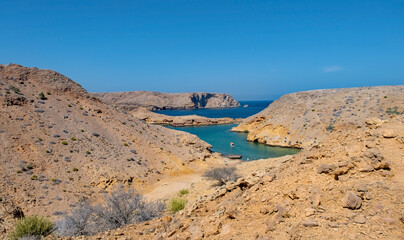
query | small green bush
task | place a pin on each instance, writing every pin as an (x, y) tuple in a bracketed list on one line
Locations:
[(73, 138), (176, 204), (48, 93), (42, 96), (32, 226), (34, 177), (64, 143), (75, 169), (183, 192)]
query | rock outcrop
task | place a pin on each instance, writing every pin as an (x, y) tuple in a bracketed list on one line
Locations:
[(178, 121), (161, 101)]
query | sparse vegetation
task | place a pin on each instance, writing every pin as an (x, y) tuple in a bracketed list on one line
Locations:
[(64, 143), (393, 111), (16, 90), (48, 93), (73, 138), (329, 128), (176, 204), (125, 144), (119, 209), (222, 175), (75, 169), (34, 177), (42, 96), (183, 192), (32, 226)]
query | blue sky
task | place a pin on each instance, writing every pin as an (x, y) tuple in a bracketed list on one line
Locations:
[(250, 49)]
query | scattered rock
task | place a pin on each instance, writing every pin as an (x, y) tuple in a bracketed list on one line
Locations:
[(360, 219), (326, 168), (351, 201), (389, 133), (310, 223)]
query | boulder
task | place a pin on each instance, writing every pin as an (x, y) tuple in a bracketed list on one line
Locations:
[(351, 201)]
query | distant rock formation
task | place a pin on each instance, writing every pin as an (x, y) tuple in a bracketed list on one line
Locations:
[(166, 101)]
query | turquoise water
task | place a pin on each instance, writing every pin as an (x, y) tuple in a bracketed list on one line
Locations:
[(240, 112), (220, 137)]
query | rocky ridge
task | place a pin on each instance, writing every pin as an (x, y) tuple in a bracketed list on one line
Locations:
[(161, 101)]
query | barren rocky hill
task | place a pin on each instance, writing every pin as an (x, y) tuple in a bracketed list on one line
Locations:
[(305, 118), (160, 101), (58, 145), (346, 183)]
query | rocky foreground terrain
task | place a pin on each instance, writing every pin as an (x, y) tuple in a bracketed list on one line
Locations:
[(161, 101), (59, 145), (346, 183)]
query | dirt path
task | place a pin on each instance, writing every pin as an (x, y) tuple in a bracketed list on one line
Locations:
[(168, 187)]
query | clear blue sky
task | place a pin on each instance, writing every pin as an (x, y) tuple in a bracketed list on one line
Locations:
[(250, 49)]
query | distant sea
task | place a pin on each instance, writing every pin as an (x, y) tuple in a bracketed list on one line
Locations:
[(240, 112)]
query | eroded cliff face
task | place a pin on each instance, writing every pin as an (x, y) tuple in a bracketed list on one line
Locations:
[(160, 101), (304, 119)]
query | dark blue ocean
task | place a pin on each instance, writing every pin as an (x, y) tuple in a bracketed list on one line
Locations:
[(241, 112)]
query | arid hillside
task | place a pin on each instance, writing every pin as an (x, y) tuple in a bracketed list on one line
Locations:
[(304, 119), (59, 145)]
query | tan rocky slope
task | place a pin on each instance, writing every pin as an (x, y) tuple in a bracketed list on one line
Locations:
[(349, 184), (64, 145), (304, 119), (159, 101)]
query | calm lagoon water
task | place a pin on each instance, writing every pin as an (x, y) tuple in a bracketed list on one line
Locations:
[(220, 137), (241, 112)]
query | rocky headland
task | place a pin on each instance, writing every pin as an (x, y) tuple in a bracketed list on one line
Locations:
[(178, 121), (167, 101)]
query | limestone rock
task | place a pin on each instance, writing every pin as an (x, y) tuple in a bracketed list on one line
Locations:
[(351, 201)]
